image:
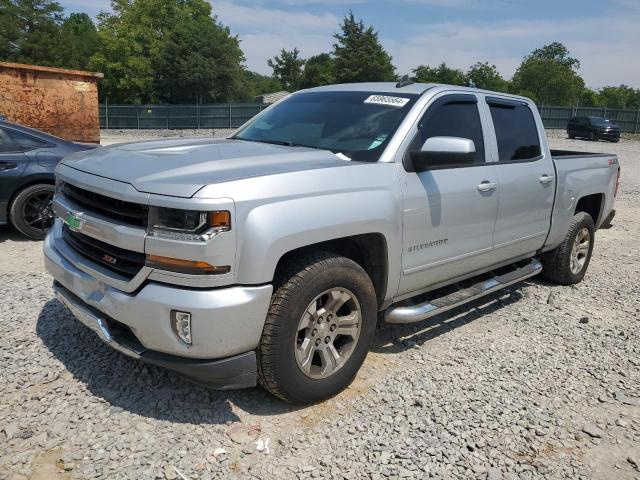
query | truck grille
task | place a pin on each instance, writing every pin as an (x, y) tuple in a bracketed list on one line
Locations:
[(126, 212), (118, 260)]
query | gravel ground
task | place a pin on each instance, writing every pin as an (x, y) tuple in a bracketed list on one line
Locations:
[(539, 381)]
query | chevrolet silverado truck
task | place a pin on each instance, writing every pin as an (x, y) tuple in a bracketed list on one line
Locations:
[(269, 256)]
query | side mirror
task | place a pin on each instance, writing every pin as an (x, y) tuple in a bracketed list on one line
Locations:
[(443, 152)]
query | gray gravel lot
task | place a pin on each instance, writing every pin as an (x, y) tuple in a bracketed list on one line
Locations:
[(515, 386)]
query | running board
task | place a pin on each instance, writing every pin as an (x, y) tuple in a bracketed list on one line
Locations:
[(422, 311)]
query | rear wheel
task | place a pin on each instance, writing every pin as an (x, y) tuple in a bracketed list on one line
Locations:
[(592, 136), (31, 212), (571, 136), (568, 263), (318, 330)]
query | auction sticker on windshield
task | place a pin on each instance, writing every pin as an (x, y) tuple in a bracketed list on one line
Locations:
[(387, 100)]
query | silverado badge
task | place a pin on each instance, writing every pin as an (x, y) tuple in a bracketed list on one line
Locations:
[(73, 221)]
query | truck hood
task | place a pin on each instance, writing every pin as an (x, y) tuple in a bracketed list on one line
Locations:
[(181, 167)]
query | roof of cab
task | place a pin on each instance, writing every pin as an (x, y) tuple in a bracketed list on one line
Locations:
[(380, 87), (413, 88)]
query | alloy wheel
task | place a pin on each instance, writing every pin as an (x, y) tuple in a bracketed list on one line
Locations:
[(580, 251), (328, 333)]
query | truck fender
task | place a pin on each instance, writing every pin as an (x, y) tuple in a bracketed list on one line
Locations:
[(274, 229)]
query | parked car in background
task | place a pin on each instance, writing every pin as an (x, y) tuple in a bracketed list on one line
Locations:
[(593, 128), (28, 158)]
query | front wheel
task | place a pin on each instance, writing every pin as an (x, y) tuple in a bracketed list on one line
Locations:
[(568, 263), (318, 330), (31, 212)]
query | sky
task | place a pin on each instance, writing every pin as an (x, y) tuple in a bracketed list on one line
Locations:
[(603, 34)]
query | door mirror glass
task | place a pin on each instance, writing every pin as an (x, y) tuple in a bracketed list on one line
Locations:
[(443, 152)]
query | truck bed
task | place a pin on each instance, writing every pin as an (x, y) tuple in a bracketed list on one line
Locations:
[(580, 174), (564, 154)]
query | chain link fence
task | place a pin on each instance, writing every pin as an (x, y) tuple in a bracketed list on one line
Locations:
[(228, 115), (232, 115)]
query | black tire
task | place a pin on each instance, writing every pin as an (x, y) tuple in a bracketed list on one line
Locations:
[(592, 137), (296, 288), (30, 211), (571, 136), (615, 140), (557, 263)]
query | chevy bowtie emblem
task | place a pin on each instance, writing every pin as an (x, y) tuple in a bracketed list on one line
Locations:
[(73, 221), (109, 259)]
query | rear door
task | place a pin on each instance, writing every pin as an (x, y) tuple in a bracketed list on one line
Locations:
[(449, 213), (526, 176)]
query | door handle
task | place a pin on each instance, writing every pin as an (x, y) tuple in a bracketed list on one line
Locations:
[(545, 179), (487, 186)]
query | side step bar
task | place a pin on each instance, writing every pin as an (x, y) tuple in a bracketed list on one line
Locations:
[(430, 308)]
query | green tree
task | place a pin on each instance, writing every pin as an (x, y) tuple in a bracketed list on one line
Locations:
[(440, 74), (589, 98), (549, 76), (256, 84), (555, 52), (319, 70), (619, 97), (152, 48), (198, 61), (10, 33), (79, 39), (288, 68), (30, 32), (483, 75), (359, 55)]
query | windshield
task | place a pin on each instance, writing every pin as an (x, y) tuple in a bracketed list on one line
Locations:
[(600, 121), (356, 124)]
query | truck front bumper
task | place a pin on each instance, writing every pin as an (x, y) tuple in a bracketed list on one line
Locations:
[(226, 322)]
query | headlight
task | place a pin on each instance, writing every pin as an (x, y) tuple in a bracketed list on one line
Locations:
[(187, 225)]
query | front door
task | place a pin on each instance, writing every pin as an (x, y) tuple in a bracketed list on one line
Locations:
[(449, 213)]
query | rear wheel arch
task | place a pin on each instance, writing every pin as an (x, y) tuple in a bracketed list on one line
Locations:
[(591, 204)]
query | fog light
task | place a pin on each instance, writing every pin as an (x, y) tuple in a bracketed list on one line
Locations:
[(181, 325)]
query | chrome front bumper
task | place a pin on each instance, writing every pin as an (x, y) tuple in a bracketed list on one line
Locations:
[(225, 321)]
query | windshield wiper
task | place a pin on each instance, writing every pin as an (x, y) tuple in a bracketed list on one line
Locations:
[(273, 142), (286, 143)]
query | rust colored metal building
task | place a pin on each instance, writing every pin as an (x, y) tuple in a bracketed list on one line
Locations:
[(55, 100)]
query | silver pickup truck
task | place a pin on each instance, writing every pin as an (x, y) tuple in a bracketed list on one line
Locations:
[(269, 256)]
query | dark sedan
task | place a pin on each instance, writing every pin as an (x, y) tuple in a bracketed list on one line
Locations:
[(28, 158), (593, 128)]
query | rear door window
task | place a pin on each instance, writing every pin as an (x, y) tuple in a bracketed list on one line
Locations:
[(516, 131)]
